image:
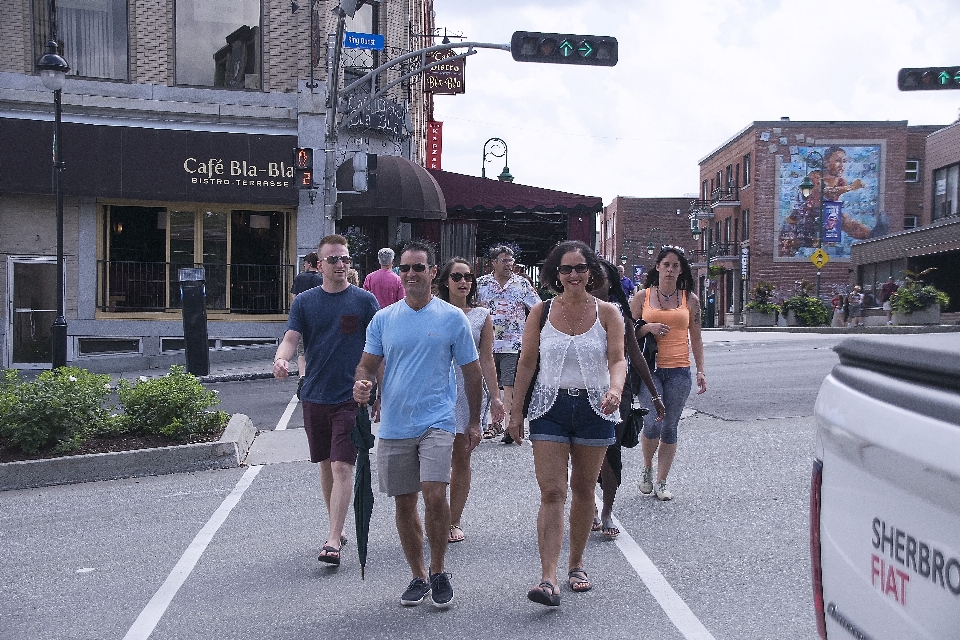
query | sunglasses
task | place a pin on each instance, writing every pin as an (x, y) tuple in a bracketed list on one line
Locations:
[(335, 259), (419, 267), (567, 269), (457, 277)]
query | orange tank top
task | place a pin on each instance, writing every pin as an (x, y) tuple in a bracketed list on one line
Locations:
[(673, 349)]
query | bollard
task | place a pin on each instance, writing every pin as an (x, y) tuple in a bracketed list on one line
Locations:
[(193, 296)]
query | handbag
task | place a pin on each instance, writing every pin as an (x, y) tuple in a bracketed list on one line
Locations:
[(536, 371), (633, 425)]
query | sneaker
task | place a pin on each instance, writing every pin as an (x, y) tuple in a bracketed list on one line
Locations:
[(662, 492), (442, 590), (415, 593), (646, 481)]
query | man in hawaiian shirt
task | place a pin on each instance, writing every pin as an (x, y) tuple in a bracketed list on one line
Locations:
[(509, 298)]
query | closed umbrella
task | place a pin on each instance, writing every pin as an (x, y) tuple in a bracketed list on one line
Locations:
[(363, 440)]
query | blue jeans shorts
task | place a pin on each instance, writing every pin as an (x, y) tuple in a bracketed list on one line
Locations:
[(674, 386), (572, 420)]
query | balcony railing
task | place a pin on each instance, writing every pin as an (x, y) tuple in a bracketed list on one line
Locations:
[(124, 286), (717, 250), (725, 196)]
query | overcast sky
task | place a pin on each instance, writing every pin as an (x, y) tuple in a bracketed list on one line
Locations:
[(692, 73)]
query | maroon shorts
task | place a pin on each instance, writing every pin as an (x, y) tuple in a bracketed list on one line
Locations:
[(328, 428)]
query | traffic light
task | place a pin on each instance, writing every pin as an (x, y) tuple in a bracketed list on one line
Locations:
[(929, 79), (303, 168), (564, 48), (364, 171)]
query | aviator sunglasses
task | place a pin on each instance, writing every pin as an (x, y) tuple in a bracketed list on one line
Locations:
[(566, 269), (457, 277), (419, 267), (335, 259)]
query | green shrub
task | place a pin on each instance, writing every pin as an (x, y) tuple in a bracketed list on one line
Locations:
[(173, 405), (761, 298), (810, 311), (914, 295), (56, 411)]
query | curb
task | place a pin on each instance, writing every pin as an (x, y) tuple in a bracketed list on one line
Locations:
[(236, 377), (227, 453)]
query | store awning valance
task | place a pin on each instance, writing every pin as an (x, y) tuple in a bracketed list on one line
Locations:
[(404, 189)]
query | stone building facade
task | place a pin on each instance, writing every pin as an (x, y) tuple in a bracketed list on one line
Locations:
[(179, 124)]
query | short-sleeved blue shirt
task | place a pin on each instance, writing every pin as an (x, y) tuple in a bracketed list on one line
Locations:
[(419, 349), (333, 326)]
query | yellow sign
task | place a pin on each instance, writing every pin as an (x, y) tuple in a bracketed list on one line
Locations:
[(819, 258)]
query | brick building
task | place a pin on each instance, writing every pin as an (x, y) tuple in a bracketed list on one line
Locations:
[(757, 226), (935, 242), (179, 121), (635, 228)]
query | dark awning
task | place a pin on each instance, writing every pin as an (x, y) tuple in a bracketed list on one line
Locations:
[(404, 189), (483, 195)]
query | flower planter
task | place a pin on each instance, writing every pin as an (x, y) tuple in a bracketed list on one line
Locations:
[(930, 315), (755, 319), (792, 319)]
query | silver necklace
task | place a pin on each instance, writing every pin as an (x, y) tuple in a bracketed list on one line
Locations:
[(666, 298)]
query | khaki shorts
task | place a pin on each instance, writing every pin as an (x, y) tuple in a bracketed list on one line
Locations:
[(403, 464)]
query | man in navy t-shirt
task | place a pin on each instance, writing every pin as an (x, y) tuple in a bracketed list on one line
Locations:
[(332, 320)]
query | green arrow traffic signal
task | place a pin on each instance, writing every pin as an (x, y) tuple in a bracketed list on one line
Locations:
[(929, 79), (534, 46)]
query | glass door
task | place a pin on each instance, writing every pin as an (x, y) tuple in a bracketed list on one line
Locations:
[(32, 283)]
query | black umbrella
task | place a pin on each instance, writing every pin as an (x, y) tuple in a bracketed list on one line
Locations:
[(363, 440)]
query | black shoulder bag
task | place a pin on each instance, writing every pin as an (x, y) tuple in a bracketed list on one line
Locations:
[(536, 371)]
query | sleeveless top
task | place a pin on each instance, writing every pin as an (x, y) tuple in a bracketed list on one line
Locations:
[(476, 316), (558, 360), (673, 349)]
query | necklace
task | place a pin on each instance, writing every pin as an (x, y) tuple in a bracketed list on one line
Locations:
[(563, 314), (666, 298)]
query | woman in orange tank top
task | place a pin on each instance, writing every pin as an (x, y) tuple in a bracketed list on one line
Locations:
[(671, 312)]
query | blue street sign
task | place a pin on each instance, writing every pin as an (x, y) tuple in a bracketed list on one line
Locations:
[(371, 41)]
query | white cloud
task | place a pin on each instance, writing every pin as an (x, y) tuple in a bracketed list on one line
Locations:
[(691, 74)]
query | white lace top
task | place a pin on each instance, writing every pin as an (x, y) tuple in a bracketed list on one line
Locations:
[(477, 317), (589, 352)]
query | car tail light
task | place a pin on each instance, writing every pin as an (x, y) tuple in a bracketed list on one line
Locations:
[(816, 482)]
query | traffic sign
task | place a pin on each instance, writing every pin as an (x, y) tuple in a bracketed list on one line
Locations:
[(929, 79), (371, 41), (819, 258), (564, 48)]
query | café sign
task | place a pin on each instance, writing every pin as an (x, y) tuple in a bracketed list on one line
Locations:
[(446, 78)]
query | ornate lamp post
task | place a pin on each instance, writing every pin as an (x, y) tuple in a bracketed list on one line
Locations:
[(53, 69), (806, 188), (697, 215), (497, 150)]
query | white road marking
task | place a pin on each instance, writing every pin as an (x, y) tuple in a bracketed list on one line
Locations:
[(287, 414), (670, 601), (85, 570), (145, 623)]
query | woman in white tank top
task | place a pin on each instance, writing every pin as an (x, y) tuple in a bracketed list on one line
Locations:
[(573, 409)]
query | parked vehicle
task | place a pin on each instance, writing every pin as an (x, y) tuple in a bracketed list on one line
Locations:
[(885, 491)]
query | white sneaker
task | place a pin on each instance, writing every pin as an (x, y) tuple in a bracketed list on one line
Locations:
[(646, 481), (661, 491)]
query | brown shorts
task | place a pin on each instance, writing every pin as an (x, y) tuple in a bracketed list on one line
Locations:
[(328, 428)]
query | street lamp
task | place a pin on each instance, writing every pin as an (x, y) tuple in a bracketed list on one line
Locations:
[(497, 146), (657, 233), (53, 69), (699, 212), (806, 189)]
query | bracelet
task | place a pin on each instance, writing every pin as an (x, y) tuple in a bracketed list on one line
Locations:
[(701, 373), (655, 398), (277, 358)]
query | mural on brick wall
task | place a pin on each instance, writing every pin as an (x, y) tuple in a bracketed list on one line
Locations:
[(850, 181)]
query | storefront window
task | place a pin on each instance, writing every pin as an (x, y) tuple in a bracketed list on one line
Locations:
[(357, 62), (945, 191), (93, 33), (218, 43), (243, 253)]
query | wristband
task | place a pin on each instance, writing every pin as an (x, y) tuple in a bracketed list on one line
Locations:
[(277, 358), (655, 398)]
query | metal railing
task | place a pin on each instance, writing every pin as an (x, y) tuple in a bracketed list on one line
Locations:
[(125, 286), (729, 194)]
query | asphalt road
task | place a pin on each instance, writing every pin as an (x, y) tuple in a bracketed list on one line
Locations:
[(201, 556)]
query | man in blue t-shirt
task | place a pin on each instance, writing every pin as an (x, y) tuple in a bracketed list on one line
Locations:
[(332, 320), (419, 339)]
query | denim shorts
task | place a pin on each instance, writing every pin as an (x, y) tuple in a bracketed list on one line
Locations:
[(674, 386), (572, 420)]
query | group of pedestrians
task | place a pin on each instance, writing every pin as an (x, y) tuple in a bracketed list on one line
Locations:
[(430, 365)]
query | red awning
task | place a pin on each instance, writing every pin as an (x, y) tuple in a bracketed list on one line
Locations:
[(484, 195)]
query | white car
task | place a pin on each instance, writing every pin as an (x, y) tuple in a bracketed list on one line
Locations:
[(885, 491)]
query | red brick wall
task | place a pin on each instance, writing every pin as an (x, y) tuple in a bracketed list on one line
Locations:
[(640, 221)]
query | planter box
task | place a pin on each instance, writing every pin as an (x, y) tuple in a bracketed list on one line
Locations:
[(754, 319), (792, 319), (930, 315)]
